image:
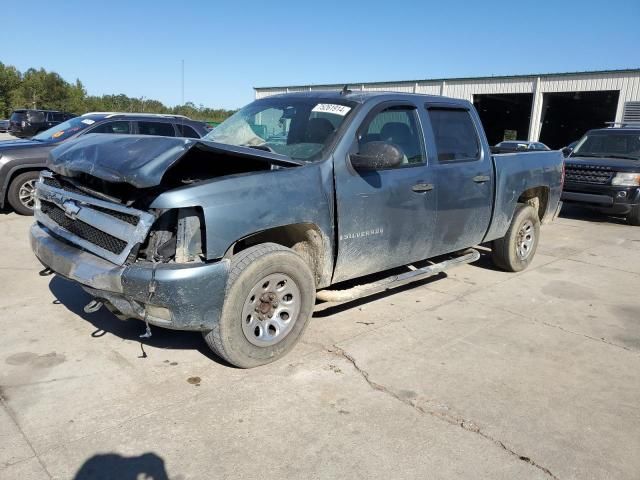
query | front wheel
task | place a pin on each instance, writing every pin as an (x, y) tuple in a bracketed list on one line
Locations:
[(633, 218), (22, 192), (515, 251), (269, 300)]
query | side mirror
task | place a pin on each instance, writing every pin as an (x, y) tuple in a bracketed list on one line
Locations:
[(566, 151), (377, 156)]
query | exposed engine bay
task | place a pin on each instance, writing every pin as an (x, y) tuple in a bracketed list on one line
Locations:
[(100, 180)]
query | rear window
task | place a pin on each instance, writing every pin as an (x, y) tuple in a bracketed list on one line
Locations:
[(156, 128), (455, 135), (187, 131)]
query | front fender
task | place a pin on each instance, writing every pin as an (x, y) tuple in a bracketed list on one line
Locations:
[(240, 205)]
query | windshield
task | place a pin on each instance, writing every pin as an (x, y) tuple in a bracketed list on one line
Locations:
[(64, 130), (18, 116), (616, 145), (300, 128)]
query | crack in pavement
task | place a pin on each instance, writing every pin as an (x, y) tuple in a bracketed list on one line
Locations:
[(4, 404), (559, 327), (447, 417)]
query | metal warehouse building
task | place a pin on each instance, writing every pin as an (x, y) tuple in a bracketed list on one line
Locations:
[(554, 108)]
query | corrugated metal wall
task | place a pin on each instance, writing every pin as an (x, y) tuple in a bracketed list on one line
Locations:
[(627, 82)]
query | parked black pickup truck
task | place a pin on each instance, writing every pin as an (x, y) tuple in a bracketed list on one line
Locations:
[(236, 234), (603, 172)]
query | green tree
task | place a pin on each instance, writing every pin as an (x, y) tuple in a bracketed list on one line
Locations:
[(9, 81), (41, 89)]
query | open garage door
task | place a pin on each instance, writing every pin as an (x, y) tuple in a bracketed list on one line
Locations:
[(504, 116), (566, 116)]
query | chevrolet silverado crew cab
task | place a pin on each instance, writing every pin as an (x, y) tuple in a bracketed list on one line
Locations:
[(603, 172), (294, 198)]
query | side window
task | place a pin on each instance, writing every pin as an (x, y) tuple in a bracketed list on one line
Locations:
[(397, 125), (56, 117), (112, 127), (455, 135), (156, 128), (36, 117), (187, 131)]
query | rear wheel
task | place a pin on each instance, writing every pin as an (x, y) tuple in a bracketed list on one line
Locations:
[(515, 251), (269, 300), (22, 192)]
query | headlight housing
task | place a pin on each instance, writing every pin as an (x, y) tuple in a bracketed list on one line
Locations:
[(626, 179)]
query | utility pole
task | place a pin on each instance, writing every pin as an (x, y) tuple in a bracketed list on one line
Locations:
[(182, 101)]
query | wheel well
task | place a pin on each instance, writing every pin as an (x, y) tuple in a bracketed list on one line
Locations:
[(306, 239), (13, 175), (538, 198)]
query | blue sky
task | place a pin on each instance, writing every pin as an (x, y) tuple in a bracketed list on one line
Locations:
[(137, 47)]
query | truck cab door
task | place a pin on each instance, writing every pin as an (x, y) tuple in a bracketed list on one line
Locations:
[(385, 217), (463, 170)]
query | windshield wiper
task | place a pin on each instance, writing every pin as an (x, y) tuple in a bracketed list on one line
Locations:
[(626, 157), (604, 155), (264, 147)]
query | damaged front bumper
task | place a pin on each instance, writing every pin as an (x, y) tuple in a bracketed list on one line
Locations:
[(177, 296)]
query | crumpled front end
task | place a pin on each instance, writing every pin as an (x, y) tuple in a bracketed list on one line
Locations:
[(109, 249)]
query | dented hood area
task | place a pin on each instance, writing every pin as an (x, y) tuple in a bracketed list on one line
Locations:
[(142, 160)]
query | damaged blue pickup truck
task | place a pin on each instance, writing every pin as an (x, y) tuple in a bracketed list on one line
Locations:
[(295, 198)]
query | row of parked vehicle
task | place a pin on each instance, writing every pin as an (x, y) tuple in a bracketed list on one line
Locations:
[(22, 160)]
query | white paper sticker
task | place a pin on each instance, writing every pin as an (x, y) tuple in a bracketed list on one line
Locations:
[(88, 121), (332, 108)]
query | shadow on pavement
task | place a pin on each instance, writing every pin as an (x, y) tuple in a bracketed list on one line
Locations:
[(74, 298), (113, 466), (6, 210)]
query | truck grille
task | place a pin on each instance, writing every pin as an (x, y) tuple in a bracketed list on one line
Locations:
[(593, 174), (107, 229), (83, 230)]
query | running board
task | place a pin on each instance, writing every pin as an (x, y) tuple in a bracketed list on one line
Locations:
[(395, 281)]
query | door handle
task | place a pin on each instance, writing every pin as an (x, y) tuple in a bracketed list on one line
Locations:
[(481, 178), (422, 187)]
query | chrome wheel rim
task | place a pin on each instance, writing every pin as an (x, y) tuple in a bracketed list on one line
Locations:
[(525, 240), (27, 193), (271, 310)]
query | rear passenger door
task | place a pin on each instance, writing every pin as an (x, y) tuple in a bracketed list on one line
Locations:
[(164, 129), (464, 177)]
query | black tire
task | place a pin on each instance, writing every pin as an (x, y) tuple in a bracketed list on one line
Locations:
[(633, 218), (229, 338), (515, 251), (16, 191)]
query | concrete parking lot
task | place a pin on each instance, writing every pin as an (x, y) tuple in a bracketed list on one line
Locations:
[(6, 136), (474, 374)]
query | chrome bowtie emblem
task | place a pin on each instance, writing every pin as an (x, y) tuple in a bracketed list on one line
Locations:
[(70, 208)]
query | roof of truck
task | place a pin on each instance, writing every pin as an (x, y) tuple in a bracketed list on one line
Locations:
[(364, 96)]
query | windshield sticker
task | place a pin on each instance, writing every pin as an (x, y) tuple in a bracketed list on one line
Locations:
[(88, 121), (332, 108), (58, 134)]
